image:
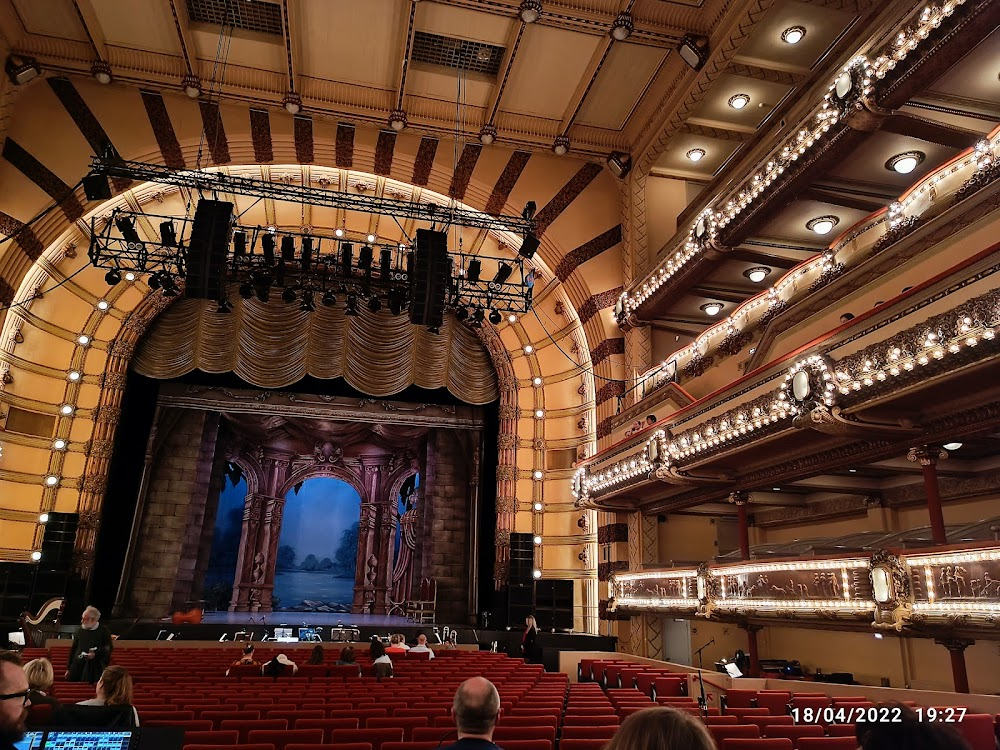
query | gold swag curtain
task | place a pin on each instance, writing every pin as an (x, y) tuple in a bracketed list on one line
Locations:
[(274, 345)]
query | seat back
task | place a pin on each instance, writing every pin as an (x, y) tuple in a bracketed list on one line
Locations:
[(827, 743), (328, 725), (740, 743), (375, 737), (582, 744), (741, 698), (245, 727), (587, 733), (282, 737), (212, 737)]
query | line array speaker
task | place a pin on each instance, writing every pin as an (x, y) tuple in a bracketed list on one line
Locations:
[(207, 249), (522, 559), (430, 279)]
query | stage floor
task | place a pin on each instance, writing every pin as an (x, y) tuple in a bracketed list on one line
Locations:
[(309, 619)]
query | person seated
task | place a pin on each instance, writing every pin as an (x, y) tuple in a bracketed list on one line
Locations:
[(661, 727), (475, 710), (115, 689), (422, 647), (316, 657), (40, 678), (381, 660), (246, 660), (347, 656), (650, 420), (396, 645), (278, 666)]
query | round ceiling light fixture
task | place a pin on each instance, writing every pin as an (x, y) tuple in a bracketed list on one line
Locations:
[(695, 154), (102, 72), (339, 232), (292, 103), (793, 34), (757, 275), (191, 86), (560, 145), (371, 238), (487, 135), (36, 556), (530, 11), (951, 446), (51, 480), (58, 444), (711, 308), (397, 120), (83, 340), (905, 162), (536, 573), (739, 101), (822, 224), (622, 27), (536, 381)]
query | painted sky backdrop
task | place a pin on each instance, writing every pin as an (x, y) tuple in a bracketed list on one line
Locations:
[(315, 519)]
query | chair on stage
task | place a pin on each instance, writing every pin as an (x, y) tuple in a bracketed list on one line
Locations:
[(421, 608)]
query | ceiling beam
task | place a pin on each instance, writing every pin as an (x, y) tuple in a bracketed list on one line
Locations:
[(511, 46), (586, 83), (855, 201), (88, 17), (960, 106), (723, 294), (288, 19), (763, 259), (405, 52), (183, 36), (931, 131)]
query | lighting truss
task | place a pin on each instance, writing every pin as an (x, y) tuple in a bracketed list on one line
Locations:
[(110, 166), (313, 268)]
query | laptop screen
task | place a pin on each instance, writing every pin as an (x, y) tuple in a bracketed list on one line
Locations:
[(93, 740), (283, 634), (31, 741), (308, 634)]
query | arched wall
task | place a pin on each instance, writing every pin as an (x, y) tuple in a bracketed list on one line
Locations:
[(48, 148)]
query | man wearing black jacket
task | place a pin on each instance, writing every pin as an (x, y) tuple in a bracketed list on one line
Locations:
[(13, 699), (91, 651)]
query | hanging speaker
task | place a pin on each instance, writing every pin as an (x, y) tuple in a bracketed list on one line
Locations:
[(96, 187), (207, 249), (430, 279)]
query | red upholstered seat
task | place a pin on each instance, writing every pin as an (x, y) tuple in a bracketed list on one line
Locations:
[(151, 714), (527, 745), (841, 730), (217, 716), (721, 733), (245, 727), (502, 734), (767, 721), (775, 701), (213, 737), (794, 732), (362, 714), (195, 725), (720, 720), (603, 710), (978, 731), (669, 686), (375, 737), (744, 712), (544, 720), (406, 723), (293, 716), (741, 698), (230, 747), (603, 719), (425, 745), (282, 737), (588, 733), (581, 744), (331, 746), (328, 725), (827, 743), (737, 743)]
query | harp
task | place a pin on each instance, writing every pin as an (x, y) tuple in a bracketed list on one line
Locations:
[(39, 628)]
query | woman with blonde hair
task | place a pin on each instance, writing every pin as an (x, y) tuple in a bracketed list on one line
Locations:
[(114, 689), (661, 728), (528, 649), (40, 678)]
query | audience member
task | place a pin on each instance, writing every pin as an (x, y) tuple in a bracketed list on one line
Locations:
[(246, 660), (40, 678), (347, 656), (278, 666), (16, 699), (528, 648), (396, 645), (91, 650), (114, 689), (909, 733), (422, 646), (847, 317), (317, 655), (381, 660), (661, 728), (475, 709), (650, 420)]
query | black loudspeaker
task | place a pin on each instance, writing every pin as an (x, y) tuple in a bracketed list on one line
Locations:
[(520, 604), (430, 279), (207, 249), (554, 604), (529, 246), (522, 559), (96, 187)]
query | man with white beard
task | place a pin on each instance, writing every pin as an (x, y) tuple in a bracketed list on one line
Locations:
[(91, 651)]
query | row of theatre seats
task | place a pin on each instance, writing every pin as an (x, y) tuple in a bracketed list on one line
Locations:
[(765, 719), (187, 688)]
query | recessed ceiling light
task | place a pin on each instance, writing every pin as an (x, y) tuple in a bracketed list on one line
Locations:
[(951, 446), (103, 304), (73, 375), (776, 489), (371, 238), (528, 348), (757, 275), (83, 340), (537, 506), (339, 232), (539, 414), (536, 573), (66, 409), (51, 480), (793, 34), (712, 308), (130, 276), (822, 224), (538, 539), (537, 381), (43, 518), (36, 556), (696, 154), (739, 101), (853, 471), (512, 318), (538, 474), (906, 162), (59, 444)]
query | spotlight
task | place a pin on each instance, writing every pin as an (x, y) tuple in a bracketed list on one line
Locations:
[(622, 27), (374, 303), (537, 506), (307, 302), (168, 234), (103, 305), (329, 299), (43, 518), (130, 276), (246, 290), (83, 340), (478, 317), (58, 444), (536, 381), (170, 288), (21, 69), (537, 540), (51, 480), (352, 305), (712, 308), (385, 264), (793, 35), (512, 318), (694, 51), (495, 317), (288, 295), (239, 244), (267, 245), (474, 269), (433, 329), (113, 276), (620, 164), (504, 270), (127, 227), (288, 248), (365, 257), (757, 275), (66, 409), (74, 376), (536, 574), (530, 11), (529, 247), (822, 224), (462, 313)]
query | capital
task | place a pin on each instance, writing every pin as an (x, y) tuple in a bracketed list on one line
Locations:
[(955, 644), (927, 455), (741, 497)]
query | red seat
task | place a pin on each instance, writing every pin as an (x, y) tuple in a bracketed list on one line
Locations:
[(841, 730), (669, 686), (794, 732), (293, 716), (245, 727), (827, 743), (977, 729), (530, 721), (213, 737), (425, 745), (195, 725), (282, 737), (216, 716), (375, 737), (406, 723), (330, 746), (328, 725), (230, 747), (775, 701), (590, 721), (741, 713), (527, 745), (362, 714), (767, 721), (720, 720), (502, 734), (742, 731), (581, 744), (737, 743), (154, 715), (604, 710), (587, 733), (741, 698)]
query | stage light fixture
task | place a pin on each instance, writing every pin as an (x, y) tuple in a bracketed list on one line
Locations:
[(757, 275), (352, 305), (127, 227), (495, 317), (329, 299), (620, 164), (346, 258), (103, 305), (112, 277), (478, 317), (170, 288), (267, 245), (504, 270), (154, 281), (365, 257), (36, 556), (397, 300), (288, 295), (288, 248), (58, 444), (385, 263), (83, 340), (308, 304), (306, 253), (51, 480), (374, 303), (462, 313), (43, 518), (168, 234), (239, 244), (246, 290), (21, 69), (694, 51), (530, 11), (474, 269)]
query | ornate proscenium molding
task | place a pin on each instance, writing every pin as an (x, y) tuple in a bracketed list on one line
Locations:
[(939, 593)]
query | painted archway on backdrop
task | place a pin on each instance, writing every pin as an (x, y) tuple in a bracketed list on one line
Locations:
[(571, 333)]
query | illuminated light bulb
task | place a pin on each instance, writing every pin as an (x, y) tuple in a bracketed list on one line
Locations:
[(59, 444), (537, 506), (696, 154), (83, 340), (511, 318), (51, 480), (130, 276), (103, 305), (539, 414), (538, 540), (43, 518), (739, 101), (536, 574), (536, 381), (36, 556), (538, 474), (66, 409), (73, 376)]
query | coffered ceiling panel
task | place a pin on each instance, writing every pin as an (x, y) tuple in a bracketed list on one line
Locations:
[(717, 111), (56, 18), (976, 76), (791, 223), (675, 159), (548, 66), (353, 42), (245, 49), (821, 25), (623, 80), (867, 164), (152, 29), (462, 23)]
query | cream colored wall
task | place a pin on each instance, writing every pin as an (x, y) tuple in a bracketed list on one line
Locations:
[(667, 197), (687, 538), (955, 512)]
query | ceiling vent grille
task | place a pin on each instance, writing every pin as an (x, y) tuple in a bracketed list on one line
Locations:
[(474, 57), (260, 16)]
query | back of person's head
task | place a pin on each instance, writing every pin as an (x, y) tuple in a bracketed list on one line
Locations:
[(274, 668), (661, 728), (422, 639), (347, 655), (476, 707), (249, 649), (377, 650), (40, 674), (907, 732), (317, 655), (116, 686)]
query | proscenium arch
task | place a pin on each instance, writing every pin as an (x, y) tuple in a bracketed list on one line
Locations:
[(517, 491)]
